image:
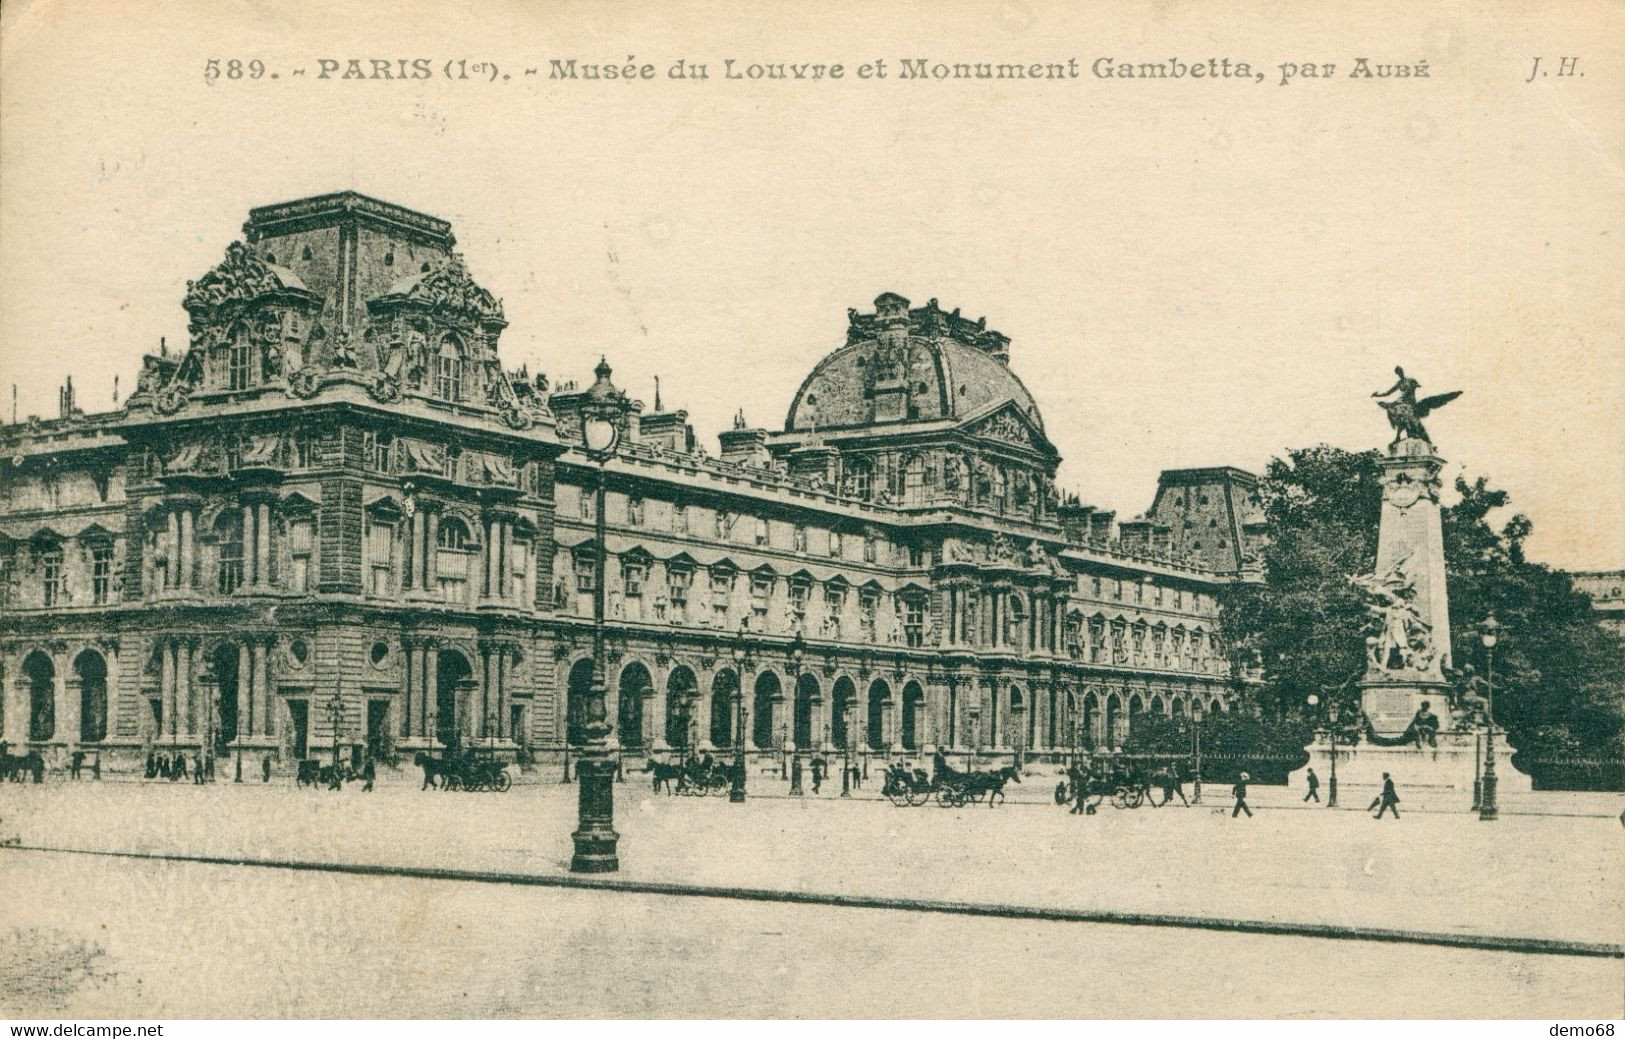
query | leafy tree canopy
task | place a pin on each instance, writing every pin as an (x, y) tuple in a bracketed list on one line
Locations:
[(1559, 675)]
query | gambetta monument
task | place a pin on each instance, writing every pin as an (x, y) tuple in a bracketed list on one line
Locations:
[(1415, 725)]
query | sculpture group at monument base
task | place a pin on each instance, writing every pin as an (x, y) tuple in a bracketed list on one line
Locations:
[(1433, 777)]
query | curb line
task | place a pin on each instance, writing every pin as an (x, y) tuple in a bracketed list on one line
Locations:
[(1491, 943)]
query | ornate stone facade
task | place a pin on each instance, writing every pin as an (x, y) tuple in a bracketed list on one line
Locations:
[(335, 518)]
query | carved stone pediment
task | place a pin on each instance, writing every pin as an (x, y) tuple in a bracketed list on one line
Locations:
[(1009, 426), (241, 277), (448, 290)]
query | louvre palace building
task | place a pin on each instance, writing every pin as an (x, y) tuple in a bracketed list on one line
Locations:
[(336, 519)]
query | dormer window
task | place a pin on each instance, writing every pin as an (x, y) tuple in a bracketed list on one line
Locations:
[(448, 369), (239, 361)]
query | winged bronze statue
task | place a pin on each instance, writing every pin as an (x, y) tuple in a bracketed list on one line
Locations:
[(1405, 413)]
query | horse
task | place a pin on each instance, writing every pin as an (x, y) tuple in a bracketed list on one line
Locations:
[(434, 770), (309, 774), (991, 783), (664, 773), (20, 767)]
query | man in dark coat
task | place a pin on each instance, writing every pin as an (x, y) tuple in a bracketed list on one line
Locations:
[(1388, 799), (1314, 787), (368, 774), (1240, 791)]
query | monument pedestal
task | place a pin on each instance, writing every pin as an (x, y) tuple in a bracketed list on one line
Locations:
[(1439, 777)]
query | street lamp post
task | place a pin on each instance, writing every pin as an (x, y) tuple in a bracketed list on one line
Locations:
[(603, 413), (798, 651), (1487, 807), (1198, 716), (846, 747), (736, 793), (1331, 736)]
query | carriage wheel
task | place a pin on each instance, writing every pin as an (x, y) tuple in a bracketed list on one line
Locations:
[(916, 798), (1136, 798), (946, 797), (1119, 798), (897, 797), (504, 781)]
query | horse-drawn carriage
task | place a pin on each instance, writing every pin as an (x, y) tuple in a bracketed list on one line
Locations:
[(467, 771), (910, 788), (1125, 786), (696, 776)]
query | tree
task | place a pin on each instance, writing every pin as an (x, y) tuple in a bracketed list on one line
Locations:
[(1558, 673)]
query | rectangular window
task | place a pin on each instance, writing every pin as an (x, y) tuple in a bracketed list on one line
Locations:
[(761, 531), (916, 555), (101, 573), (868, 612), (448, 378), (835, 544), (761, 587), (52, 577), (380, 557), (519, 554), (1178, 596), (722, 582), (7, 572), (585, 577), (632, 575), (301, 537), (678, 581), (914, 621), (240, 366), (301, 450), (834, 604), (798, 598), (378, 449)]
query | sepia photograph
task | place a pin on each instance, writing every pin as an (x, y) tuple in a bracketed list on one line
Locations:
[(716, 512)]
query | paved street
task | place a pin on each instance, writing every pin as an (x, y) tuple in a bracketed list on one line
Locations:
[(514, 949)]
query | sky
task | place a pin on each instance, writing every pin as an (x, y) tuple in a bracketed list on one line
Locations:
[(1192, 272)]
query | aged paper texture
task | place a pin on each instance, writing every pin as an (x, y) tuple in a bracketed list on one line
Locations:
[(860, 510)]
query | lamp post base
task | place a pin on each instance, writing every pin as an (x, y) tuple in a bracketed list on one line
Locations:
[(736, 792), (595, 838)]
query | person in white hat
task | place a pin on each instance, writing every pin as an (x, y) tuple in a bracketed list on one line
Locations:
[(1240, 791)]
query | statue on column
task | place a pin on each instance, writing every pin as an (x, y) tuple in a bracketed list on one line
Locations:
[(1405, 413)]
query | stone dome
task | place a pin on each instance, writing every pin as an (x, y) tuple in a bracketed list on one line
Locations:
[(904, 366)]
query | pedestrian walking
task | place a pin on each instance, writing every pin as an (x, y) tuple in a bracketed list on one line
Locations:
[(795, 775), (1172, 784), (197, 768), (817, 774), (177, 767), (368, 774), (1388, 799), (75, 763), (152, 765), (1240, 790), (1314, 787), (265, 769), (96, 767)]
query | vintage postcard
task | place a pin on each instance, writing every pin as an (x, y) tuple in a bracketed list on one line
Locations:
[(894, 510)]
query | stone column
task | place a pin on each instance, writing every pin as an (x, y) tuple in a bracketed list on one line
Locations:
[(499, 695), (431, 690), (429, 542), (262, 544), (185, 718), (262, 688), (409, 677), (251, 556), (172, 565), (166, 688), (188, 547), (702, 716), (67, 707), (246, 678)]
